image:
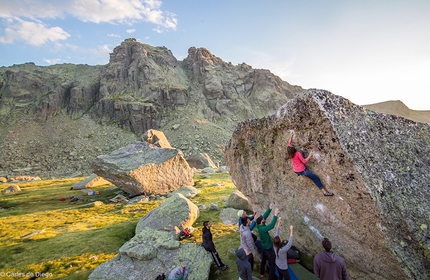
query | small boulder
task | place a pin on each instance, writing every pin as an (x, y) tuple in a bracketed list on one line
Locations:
[(11, 189), (200, 161), (239, 201), (93, 181), (228, 216), (156, 138), (208, 170), (188, 191)]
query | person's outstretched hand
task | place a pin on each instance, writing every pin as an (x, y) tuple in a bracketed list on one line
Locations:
[(276, 212), (271, 205)]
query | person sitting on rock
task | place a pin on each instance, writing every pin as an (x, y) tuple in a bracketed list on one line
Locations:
[(299, 166)]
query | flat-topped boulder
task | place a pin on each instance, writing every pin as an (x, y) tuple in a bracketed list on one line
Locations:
[(144, 168)]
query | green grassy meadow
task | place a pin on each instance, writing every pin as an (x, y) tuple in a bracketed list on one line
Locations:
[(72, 239)]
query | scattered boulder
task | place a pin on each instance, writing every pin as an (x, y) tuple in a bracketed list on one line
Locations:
[(152, 252), (3, 180), (228, 216), (138, 199), (239, 201), (173, 215), (24, 178), (208, 170), (11, 189), (222, 169), (155, 137), (200, 161), (92, 181), (143, 167), (375, 164), (188, 191)]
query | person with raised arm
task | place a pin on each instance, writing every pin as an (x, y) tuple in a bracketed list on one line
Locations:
[(300, 168)]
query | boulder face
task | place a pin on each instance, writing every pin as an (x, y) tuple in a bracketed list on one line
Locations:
[(375, 164), (144, 168), (174, 215)]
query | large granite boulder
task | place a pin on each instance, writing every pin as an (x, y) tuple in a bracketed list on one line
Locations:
[(143, 167), (174, 214), (152, 252), (376, 165)]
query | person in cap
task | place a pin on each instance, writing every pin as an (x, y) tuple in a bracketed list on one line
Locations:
[(210, 246), (266, 242), (242, 217), (328, 266)]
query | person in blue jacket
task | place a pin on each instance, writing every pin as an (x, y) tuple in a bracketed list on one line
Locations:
[(243, 216)]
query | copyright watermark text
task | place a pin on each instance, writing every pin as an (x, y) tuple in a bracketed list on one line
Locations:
[(25, 274)]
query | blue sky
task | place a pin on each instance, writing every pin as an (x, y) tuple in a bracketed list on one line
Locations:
[(366, 50)]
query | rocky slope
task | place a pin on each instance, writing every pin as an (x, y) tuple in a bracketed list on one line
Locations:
[(196, 102)]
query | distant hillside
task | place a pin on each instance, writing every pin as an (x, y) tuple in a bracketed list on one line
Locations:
[(398, 108)]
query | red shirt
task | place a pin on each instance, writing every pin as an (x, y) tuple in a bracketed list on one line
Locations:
[(298, 161)]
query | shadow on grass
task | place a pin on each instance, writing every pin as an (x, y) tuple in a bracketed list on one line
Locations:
[(68, 254)]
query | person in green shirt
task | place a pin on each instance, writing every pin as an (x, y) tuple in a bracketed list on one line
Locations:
[(266, 241)]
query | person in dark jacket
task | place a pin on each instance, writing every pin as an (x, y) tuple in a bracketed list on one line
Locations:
[(210, 246), (266, 242), (328, 266), (244, 267)]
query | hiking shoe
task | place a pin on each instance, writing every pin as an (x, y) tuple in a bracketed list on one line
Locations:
[(328, 194), (223, 267)]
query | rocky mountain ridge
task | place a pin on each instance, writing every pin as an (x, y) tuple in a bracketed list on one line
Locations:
[(196, 102)]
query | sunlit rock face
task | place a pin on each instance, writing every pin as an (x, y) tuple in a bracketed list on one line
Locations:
[(144, 168), (377, 166)]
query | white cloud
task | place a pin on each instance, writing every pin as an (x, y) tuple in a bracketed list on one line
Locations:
[(129, 31), (34, 33), (23, 18), (96, 11), (101, 51), (53, 60), (114, 35)]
